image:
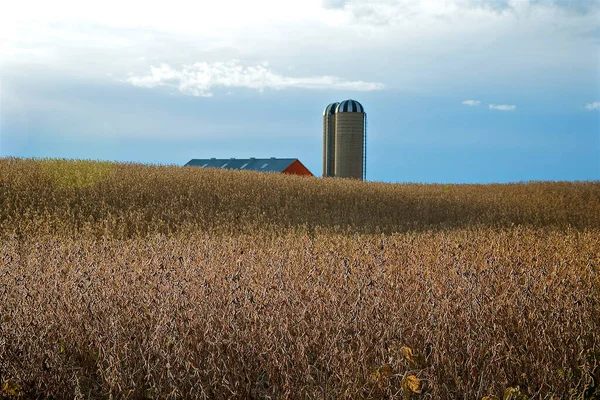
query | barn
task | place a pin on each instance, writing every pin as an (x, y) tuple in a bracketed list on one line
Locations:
[(291, 166)]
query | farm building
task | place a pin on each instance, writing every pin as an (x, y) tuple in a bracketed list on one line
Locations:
[(345, 140), (282, 165)]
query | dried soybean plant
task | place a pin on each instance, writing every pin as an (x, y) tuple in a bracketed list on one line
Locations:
[(131, 281)]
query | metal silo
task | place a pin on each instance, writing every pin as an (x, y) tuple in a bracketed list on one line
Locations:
[(350, 140), (329, 139)]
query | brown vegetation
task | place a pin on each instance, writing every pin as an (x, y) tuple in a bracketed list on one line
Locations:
[(134, 281)]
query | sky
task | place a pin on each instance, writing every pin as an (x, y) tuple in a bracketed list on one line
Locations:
[(456, 91)]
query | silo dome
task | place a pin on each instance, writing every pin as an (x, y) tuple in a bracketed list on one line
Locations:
[(330, 109), (349, 106)]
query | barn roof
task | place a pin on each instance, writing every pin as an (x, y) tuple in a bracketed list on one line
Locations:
[(251, 164)]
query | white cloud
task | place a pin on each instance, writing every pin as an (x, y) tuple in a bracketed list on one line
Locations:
[(428, 46), (471, 102), (335, 4), (201, 78), (593, 106), (503, 107)]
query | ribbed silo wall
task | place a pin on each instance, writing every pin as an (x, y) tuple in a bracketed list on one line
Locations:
[(349, 144), (328, 144)]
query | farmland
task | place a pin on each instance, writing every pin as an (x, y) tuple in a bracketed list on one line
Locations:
[(133, 281)]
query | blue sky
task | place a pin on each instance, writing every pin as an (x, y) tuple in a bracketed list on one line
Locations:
[(455, 90)]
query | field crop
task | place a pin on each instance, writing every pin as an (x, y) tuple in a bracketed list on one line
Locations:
[(131, 281)]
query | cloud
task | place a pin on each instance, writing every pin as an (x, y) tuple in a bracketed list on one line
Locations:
[(593, 106), (335, 4), (201, 78), (477, 45), (397, 11), (503, 107), (471, 102)]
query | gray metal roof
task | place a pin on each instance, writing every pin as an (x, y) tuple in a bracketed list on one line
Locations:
[(250, 164), (330, 109), (349, 106)]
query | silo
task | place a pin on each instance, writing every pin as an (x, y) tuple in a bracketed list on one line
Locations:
[(329, 139), (350, 140)]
